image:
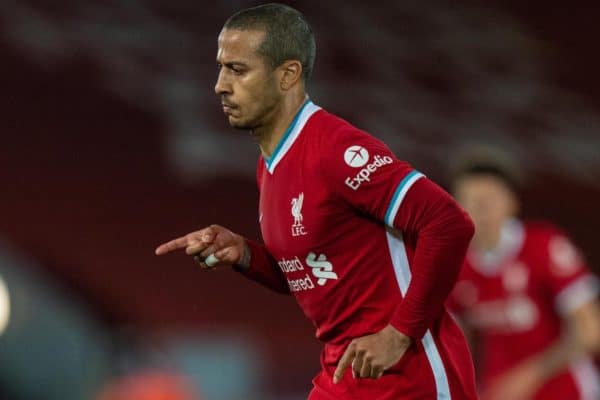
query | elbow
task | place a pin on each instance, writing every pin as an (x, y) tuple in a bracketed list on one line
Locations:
[(457, 223), (470, 226), (467, 225)]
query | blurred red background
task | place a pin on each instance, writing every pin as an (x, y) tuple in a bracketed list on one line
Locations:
[(93, 129)]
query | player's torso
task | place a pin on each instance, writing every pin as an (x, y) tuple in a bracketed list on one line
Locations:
[(515, 319), (340, 262), (510, 301), (319, 242), (511, 310)]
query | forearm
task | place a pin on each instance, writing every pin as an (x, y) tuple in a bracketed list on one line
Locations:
[(580, 338), (258, 265), (555, 359)]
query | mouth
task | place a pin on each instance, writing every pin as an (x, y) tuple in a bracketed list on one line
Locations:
[(227, 108)]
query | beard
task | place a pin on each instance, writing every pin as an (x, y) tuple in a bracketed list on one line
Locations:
[(242, 125), (254, 123)]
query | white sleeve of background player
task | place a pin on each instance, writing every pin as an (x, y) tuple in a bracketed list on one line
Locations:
[(578, 293), (366, 174), (570, 280)]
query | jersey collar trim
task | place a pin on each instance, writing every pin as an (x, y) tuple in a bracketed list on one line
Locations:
[(512, 238), (291, 134)]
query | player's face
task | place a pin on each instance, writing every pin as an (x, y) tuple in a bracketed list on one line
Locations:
[(488, 200), (246, 83)]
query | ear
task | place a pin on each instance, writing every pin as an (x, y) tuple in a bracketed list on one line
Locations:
[(292, 72), (515, 204)]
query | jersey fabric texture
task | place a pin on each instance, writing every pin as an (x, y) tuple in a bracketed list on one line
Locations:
[(515, 299), (363, 240)]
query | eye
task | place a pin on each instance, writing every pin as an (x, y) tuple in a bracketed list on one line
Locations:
[(237, 70)]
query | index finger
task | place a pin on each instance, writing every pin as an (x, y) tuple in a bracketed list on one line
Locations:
[(174, 244), (344, 363)]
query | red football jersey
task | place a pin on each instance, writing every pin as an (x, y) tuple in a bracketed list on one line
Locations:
[(515, 297), (342, 218)]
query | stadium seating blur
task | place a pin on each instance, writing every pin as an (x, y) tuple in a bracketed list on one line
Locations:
[(113, 141)]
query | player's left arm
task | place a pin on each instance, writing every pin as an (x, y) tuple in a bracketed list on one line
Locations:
[(409, 203), (443, 232), (575, 293)]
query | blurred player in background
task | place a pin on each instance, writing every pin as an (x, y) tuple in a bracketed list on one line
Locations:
[(369, 247), (525, 292)]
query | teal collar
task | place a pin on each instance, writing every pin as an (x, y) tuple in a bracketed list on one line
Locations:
[(291, 134)]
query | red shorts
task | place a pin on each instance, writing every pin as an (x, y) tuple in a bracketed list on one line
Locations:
[(396, 384), (384, 388), (411, 379)]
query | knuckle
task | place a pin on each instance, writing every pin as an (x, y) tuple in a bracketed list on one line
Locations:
[(215, 228)]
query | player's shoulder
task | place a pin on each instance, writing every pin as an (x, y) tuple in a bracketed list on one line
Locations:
[(553, 245), (260, 163), (337, 134), (540, 231), (325, 121), (260, 169)]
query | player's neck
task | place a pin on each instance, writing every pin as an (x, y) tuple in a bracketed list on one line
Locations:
[(269, 135)]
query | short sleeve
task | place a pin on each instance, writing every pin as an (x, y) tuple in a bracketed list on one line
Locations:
[(366, 174), (567, 276)]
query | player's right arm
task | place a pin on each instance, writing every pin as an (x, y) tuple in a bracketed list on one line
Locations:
[(229, 249), (226, 246)]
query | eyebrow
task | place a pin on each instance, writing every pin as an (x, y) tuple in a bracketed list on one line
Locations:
[(232, 64)]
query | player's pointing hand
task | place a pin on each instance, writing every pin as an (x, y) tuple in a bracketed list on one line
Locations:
[(210, 246), (371, 355)]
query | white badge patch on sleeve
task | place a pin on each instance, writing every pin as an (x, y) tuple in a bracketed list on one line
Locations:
[(356, 156), (564, 257)]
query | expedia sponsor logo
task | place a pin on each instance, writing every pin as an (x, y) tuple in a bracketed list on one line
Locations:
[(356, 156), (365, 173)]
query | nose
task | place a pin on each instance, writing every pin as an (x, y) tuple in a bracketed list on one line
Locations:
[(222, 86)]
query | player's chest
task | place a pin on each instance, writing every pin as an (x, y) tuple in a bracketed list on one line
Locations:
[(297, 212)]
